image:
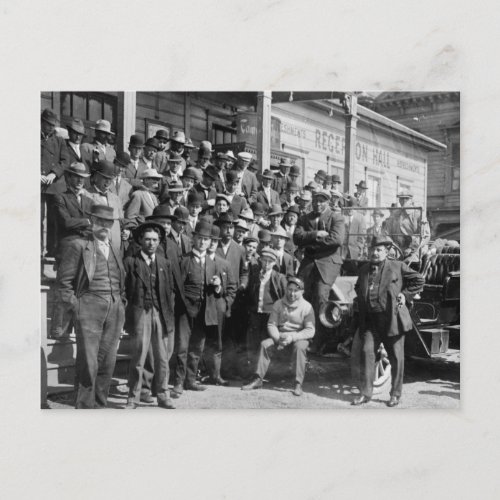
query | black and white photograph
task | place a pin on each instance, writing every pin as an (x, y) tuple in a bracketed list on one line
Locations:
[(250, 250)]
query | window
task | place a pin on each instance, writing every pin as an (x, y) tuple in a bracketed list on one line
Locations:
[(373, 192), (455, 166), (223, 135)]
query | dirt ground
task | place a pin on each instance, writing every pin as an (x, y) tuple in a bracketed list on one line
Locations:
[(427, 384)]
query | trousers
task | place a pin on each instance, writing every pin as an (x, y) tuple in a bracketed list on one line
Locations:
[(98, 325), (299, 357)]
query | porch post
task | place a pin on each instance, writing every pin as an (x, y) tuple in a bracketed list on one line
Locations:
[(351, 126), (126, 117), (264, 130)]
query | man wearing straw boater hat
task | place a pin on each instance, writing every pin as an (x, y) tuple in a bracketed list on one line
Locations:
[(149, 286), (91, 282), (100, 149), (205, 281), (383, 289)]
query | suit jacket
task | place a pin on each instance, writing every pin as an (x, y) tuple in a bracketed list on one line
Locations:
[(194, 302), (354, 239), (133, 175), (236, 258), (113, 201), (73, 220), (77, 270), (141, 205), (208, 195), (277, 287), (87, 151), (123, 191), (324, 251), (287, 267), (396, 278), (54, 157), (136, 282), (249, 186), (267, 202), (160, 162), (279, 183), (185, 247), (224, 303)]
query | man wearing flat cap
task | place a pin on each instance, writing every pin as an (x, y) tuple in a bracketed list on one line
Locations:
[(205, 281), (100, 149), (320, 234), (54, 159), (91, 281), (384, 288), (100, 191), (290, 326), (266, 194), (149, 287), (144, 199)]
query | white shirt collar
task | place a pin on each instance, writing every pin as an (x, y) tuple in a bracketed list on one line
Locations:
[(199, 254), (148, 258)]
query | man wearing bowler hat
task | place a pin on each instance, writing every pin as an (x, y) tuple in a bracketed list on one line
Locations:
[(320, 235), (100, 149), (384, 288), (144, 199), (178, 232), (149, 287), (290, 326), (137, 165), (54, 159), (265, 193), (205, 281), (160, 157), (100, 191), (91, 281)]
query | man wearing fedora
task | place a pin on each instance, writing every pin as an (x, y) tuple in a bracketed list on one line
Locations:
[(304, 202), (320, 235), (121, 186), (189, 178), (160, 157), (265, 193), (290, 326), (172, 195), (100, 149), (54, 159), (186, 154), (288, 197), (378, 228), (384, 288), (275, 216), (194, 204), (204, 282), (360, 194), (284, 261), (281, 177), (91, 281), (137, 165), (289, 223), (144, 199), (149, 287), (221, 166), (104, 176)]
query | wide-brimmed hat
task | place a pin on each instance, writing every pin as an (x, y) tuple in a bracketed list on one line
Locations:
[(336, 178), (49, 116), (179, 136), (295, 281), (221, 156), (230, 155), (181, 214), (264, 236), (242, 224), (148, 225), (162, 134), (275, 209), (203, 228), (306, 195), (189, 144), (153, 142), (211, 172), (106, 169), (381, 240), (192, 173), (77, 126), (136, 141), (175, 187), (321, 174), (122, 159), (222, 196), (322, 193), (102, 212), (244, 156), (103, 126), (361, 185), (161, 212), (285, 162), (225, 218), (247, 214), (150, 173), (294, 209), (269, 252), (281, 233), (77, 168), (174, 158), (294, 171), (267, 174)]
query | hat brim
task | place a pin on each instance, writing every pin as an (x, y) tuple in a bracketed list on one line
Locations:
[(105, 131), (106, 176), (79, 174), (171, 217), (81, 132), (103, 218)]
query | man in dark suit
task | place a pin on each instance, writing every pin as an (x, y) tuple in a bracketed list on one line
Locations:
[(284, 261), (378, 228), (281, 178), (121, 187), (266, 194), (205, 187), (204, 281), (320, 234), (100, 149), (91, 281), (249, 184), (237, 203), (137, 166), (383, 289), (149, 288), (76, 132), (54, 158), (178, 231)]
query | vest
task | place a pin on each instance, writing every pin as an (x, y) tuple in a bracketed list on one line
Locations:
[(194, 284), (152, 289), (373, 300), (106, 280)]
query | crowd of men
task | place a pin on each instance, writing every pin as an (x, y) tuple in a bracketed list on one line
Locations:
[(210, 265)]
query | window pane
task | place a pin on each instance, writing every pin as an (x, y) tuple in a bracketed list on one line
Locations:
[(95, 109), (108, 113), (66, 104), (219, 137), (79, 107)]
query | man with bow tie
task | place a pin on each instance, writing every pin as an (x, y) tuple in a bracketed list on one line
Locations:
[(384, 288), (320, 234)]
